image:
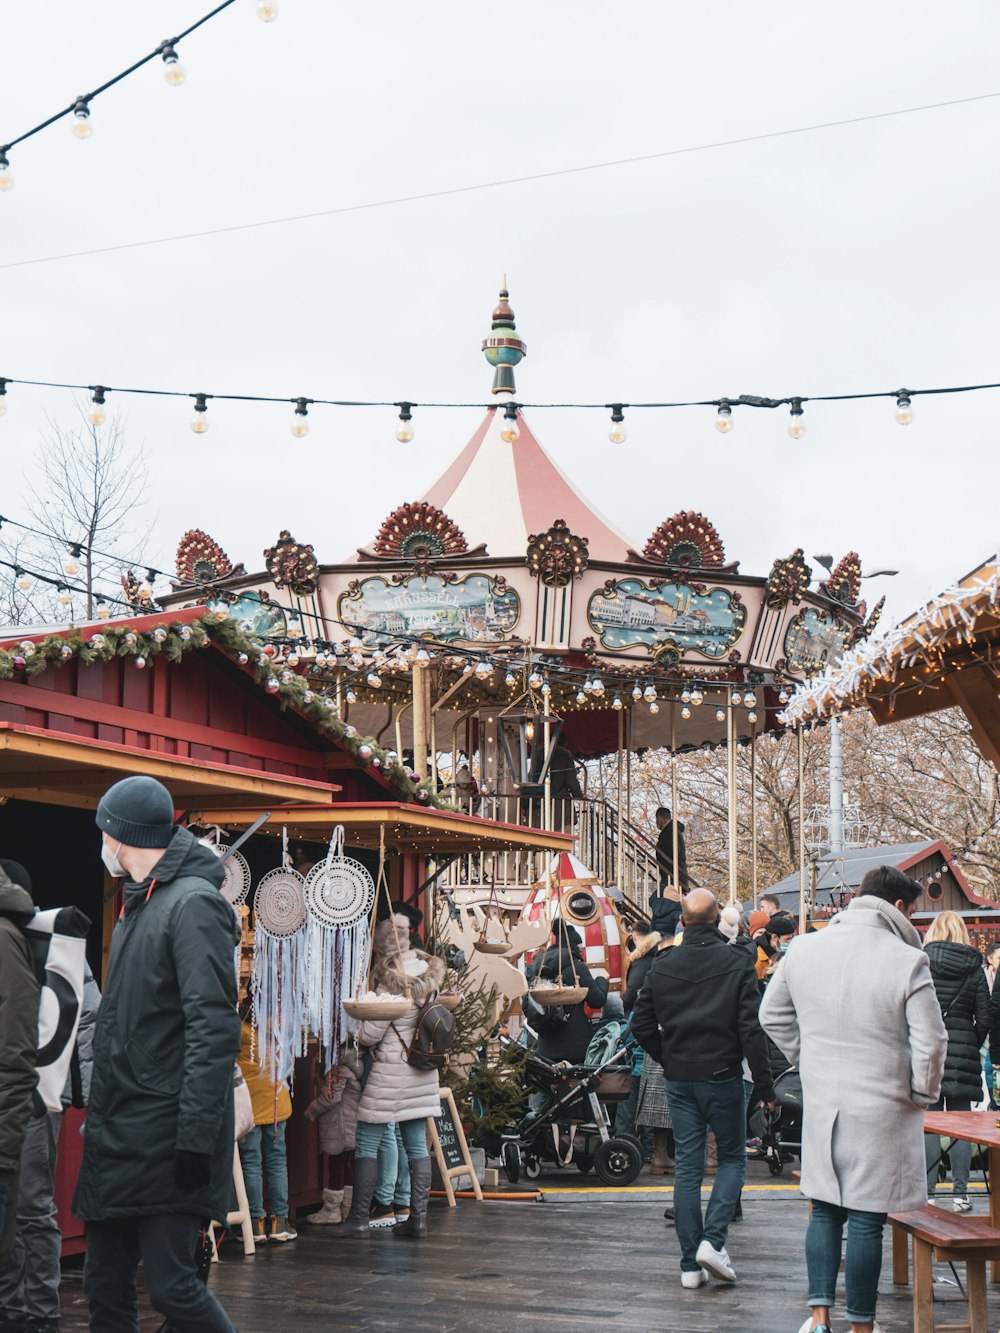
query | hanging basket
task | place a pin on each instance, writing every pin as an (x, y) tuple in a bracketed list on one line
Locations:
[(491, 946), (450, 1000), (395, 1006), (547, 996)]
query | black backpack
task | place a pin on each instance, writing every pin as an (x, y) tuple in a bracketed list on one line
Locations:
[(433, 1037)]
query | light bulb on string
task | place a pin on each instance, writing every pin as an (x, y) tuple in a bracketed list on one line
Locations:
[(724, 418), (797, 426), (72, 565), (598, 686), (104, 613), (649, 693), (6, 179), (24, 582), (749, 698), (267, 10), (96, 414), (483, 669), (81, 125), (720, 715), (751, 716), (587, 686), (199, 422), (737, 698), (696, 696), (617, 434), (422, 655), (636, 692), (685, 712), (404, 431), (581, 698), (3, 397), (535, 680), (510, 680), (300, 418), (374, 680), (350, 696), (904, 408), (654, 707), (173, 71), (782, 696), (616, 703), (509, 432)]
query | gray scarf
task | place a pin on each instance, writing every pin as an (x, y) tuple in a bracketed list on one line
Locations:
[(891, 917)]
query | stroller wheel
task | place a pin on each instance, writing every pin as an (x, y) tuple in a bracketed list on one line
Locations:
[(583, 1163), (532, 1168), (618, 1161), (775, 1164), (512, 1161)]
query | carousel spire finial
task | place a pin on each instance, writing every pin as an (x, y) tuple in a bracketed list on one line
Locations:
[(504, 350)]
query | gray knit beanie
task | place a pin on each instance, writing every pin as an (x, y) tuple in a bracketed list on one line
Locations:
[(138, 812)]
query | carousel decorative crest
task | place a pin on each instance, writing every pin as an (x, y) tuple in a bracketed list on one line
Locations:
[(686, 541), (292, 565), (844, 583), (788, 581), (420, 532), (557, 556), (866, 630), (200, 559)]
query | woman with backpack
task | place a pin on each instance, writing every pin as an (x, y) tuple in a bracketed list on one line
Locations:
[(964, 996), (395, 1089)]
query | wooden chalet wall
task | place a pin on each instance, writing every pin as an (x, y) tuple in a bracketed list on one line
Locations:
[(936, 867)]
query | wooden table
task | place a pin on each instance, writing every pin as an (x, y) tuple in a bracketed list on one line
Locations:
[(974, 1127)]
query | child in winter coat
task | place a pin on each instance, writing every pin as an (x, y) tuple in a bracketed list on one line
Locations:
[(336, 1110), (262, 1151)]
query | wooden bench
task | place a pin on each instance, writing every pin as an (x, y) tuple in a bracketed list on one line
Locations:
[(948, 1238)]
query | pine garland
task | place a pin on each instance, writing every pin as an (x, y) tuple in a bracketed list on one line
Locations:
[(173, 641)]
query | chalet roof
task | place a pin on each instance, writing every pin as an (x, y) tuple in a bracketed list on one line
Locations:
[(844, 871)]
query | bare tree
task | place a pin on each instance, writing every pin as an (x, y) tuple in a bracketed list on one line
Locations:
[(83, 501)]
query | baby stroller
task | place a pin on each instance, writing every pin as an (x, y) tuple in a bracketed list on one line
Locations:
[(573, 1127), (781, 1133)]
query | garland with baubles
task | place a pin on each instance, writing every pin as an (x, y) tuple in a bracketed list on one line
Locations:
[(171, 641)]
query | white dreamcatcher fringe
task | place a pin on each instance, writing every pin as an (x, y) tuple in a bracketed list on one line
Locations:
[(279, 1001), (337, 959)]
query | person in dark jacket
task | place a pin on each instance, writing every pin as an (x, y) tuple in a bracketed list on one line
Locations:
[(640, 961), (158, 1141), (964, 996), (665, 851), (564, 1033), (18, 1047), (697, 1015)]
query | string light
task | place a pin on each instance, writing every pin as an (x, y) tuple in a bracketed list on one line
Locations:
[(649, 693), (904, 408), (737, 698), (267, 10), (797, 427), (199, 422), (750, 699), (483, 669), (300, 419), (535, 680), (751, 716), (617, 434), (350, 696), (96, 414), (720, 715), (81, 126), (72, 565), (696, 696), (636, 692), (685, 712), (510, 680), (404, 432), (509, 431), (616, 703), (724, 418), (6, 179), (581, 698), (3, 397), (654, 707), (173, 71)]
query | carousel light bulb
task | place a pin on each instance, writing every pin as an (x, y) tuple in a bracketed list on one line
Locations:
[(483, 669), (581, 698), (509, 430), (751, 716), (649, 693), (654, 707), (300, 419), (587, 686), (6, 179), (904, 408), (616, 703), (750, 699), (267, 10), (797, 426), (737, 697), (510, 680), (96, 414), (724, 419), (636, 692), (374, 680), (350, 696), (617, 434), (685, 712), (598, 685), (685, 695), (199, 422), (294, 629), (720, 715), (81, 125), (783, 697), (404, 432), (697, 697), (173, 71), (422, 655), (535, 681)]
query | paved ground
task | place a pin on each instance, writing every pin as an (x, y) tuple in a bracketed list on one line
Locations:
[(581, 1259)]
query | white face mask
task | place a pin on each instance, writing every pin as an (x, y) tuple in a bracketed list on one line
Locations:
[(113, 866)]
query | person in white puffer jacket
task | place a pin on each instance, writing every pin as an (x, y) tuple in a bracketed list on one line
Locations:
[(394, 1091)]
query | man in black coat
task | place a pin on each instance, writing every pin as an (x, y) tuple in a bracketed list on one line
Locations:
[(158, 1142), (697, 1015)]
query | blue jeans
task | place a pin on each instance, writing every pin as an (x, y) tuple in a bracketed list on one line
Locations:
[(864, 1258), (393, 1183), (264, 1149), (413, 1132), (696, 1108)]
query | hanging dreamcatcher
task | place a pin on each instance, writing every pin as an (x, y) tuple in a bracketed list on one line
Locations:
[(367, 1003), (339, 894), (236, 885), (279, 969)]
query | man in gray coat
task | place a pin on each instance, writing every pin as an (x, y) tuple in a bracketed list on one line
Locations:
[(158, 1142), (854, 1007)]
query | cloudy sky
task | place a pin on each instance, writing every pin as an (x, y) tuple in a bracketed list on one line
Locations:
[(857, 258)]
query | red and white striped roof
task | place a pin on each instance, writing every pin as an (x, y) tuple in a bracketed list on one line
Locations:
[(499, 494)]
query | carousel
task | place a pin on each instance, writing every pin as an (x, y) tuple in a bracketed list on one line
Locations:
[(498, 631)]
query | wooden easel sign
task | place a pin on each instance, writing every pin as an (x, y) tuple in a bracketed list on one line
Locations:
[(447, 1138)]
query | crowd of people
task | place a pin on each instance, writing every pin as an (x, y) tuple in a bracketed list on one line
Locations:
[(881, 1023)]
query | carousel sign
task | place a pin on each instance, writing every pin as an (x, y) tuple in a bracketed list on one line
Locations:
[(813, 641), (635, 614), (477, 608)]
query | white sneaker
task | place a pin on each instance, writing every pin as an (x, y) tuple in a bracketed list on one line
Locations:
[(694, 1280), (716, 1262), (960, 1204), (810, 1327)]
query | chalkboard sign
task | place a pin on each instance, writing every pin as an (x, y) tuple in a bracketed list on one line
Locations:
[(451, 1150)]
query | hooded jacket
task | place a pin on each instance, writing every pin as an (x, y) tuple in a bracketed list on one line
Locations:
[(395, 1090), (167, 1037), (336, 1110), (964, 996), (568, 1036), (18, 1021), (639, 963), (697, 1014)]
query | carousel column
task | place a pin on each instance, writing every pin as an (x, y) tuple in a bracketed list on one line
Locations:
[(753, 813), (800, 741), (619, 873), (731, 793), (547, 798), (420, 711), (675, 814)]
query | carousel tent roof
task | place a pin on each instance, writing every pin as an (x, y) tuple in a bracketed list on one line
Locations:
[(500, 494)]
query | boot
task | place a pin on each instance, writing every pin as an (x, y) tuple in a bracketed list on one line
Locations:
[(356, 1226), (415, 1226), (331, 1212), (660, 1164), (345, 1207)]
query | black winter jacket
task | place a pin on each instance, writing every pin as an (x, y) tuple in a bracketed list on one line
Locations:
[(638, 971), (569, 1039), (697, 1014), (964, 997), (166, 1041)]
